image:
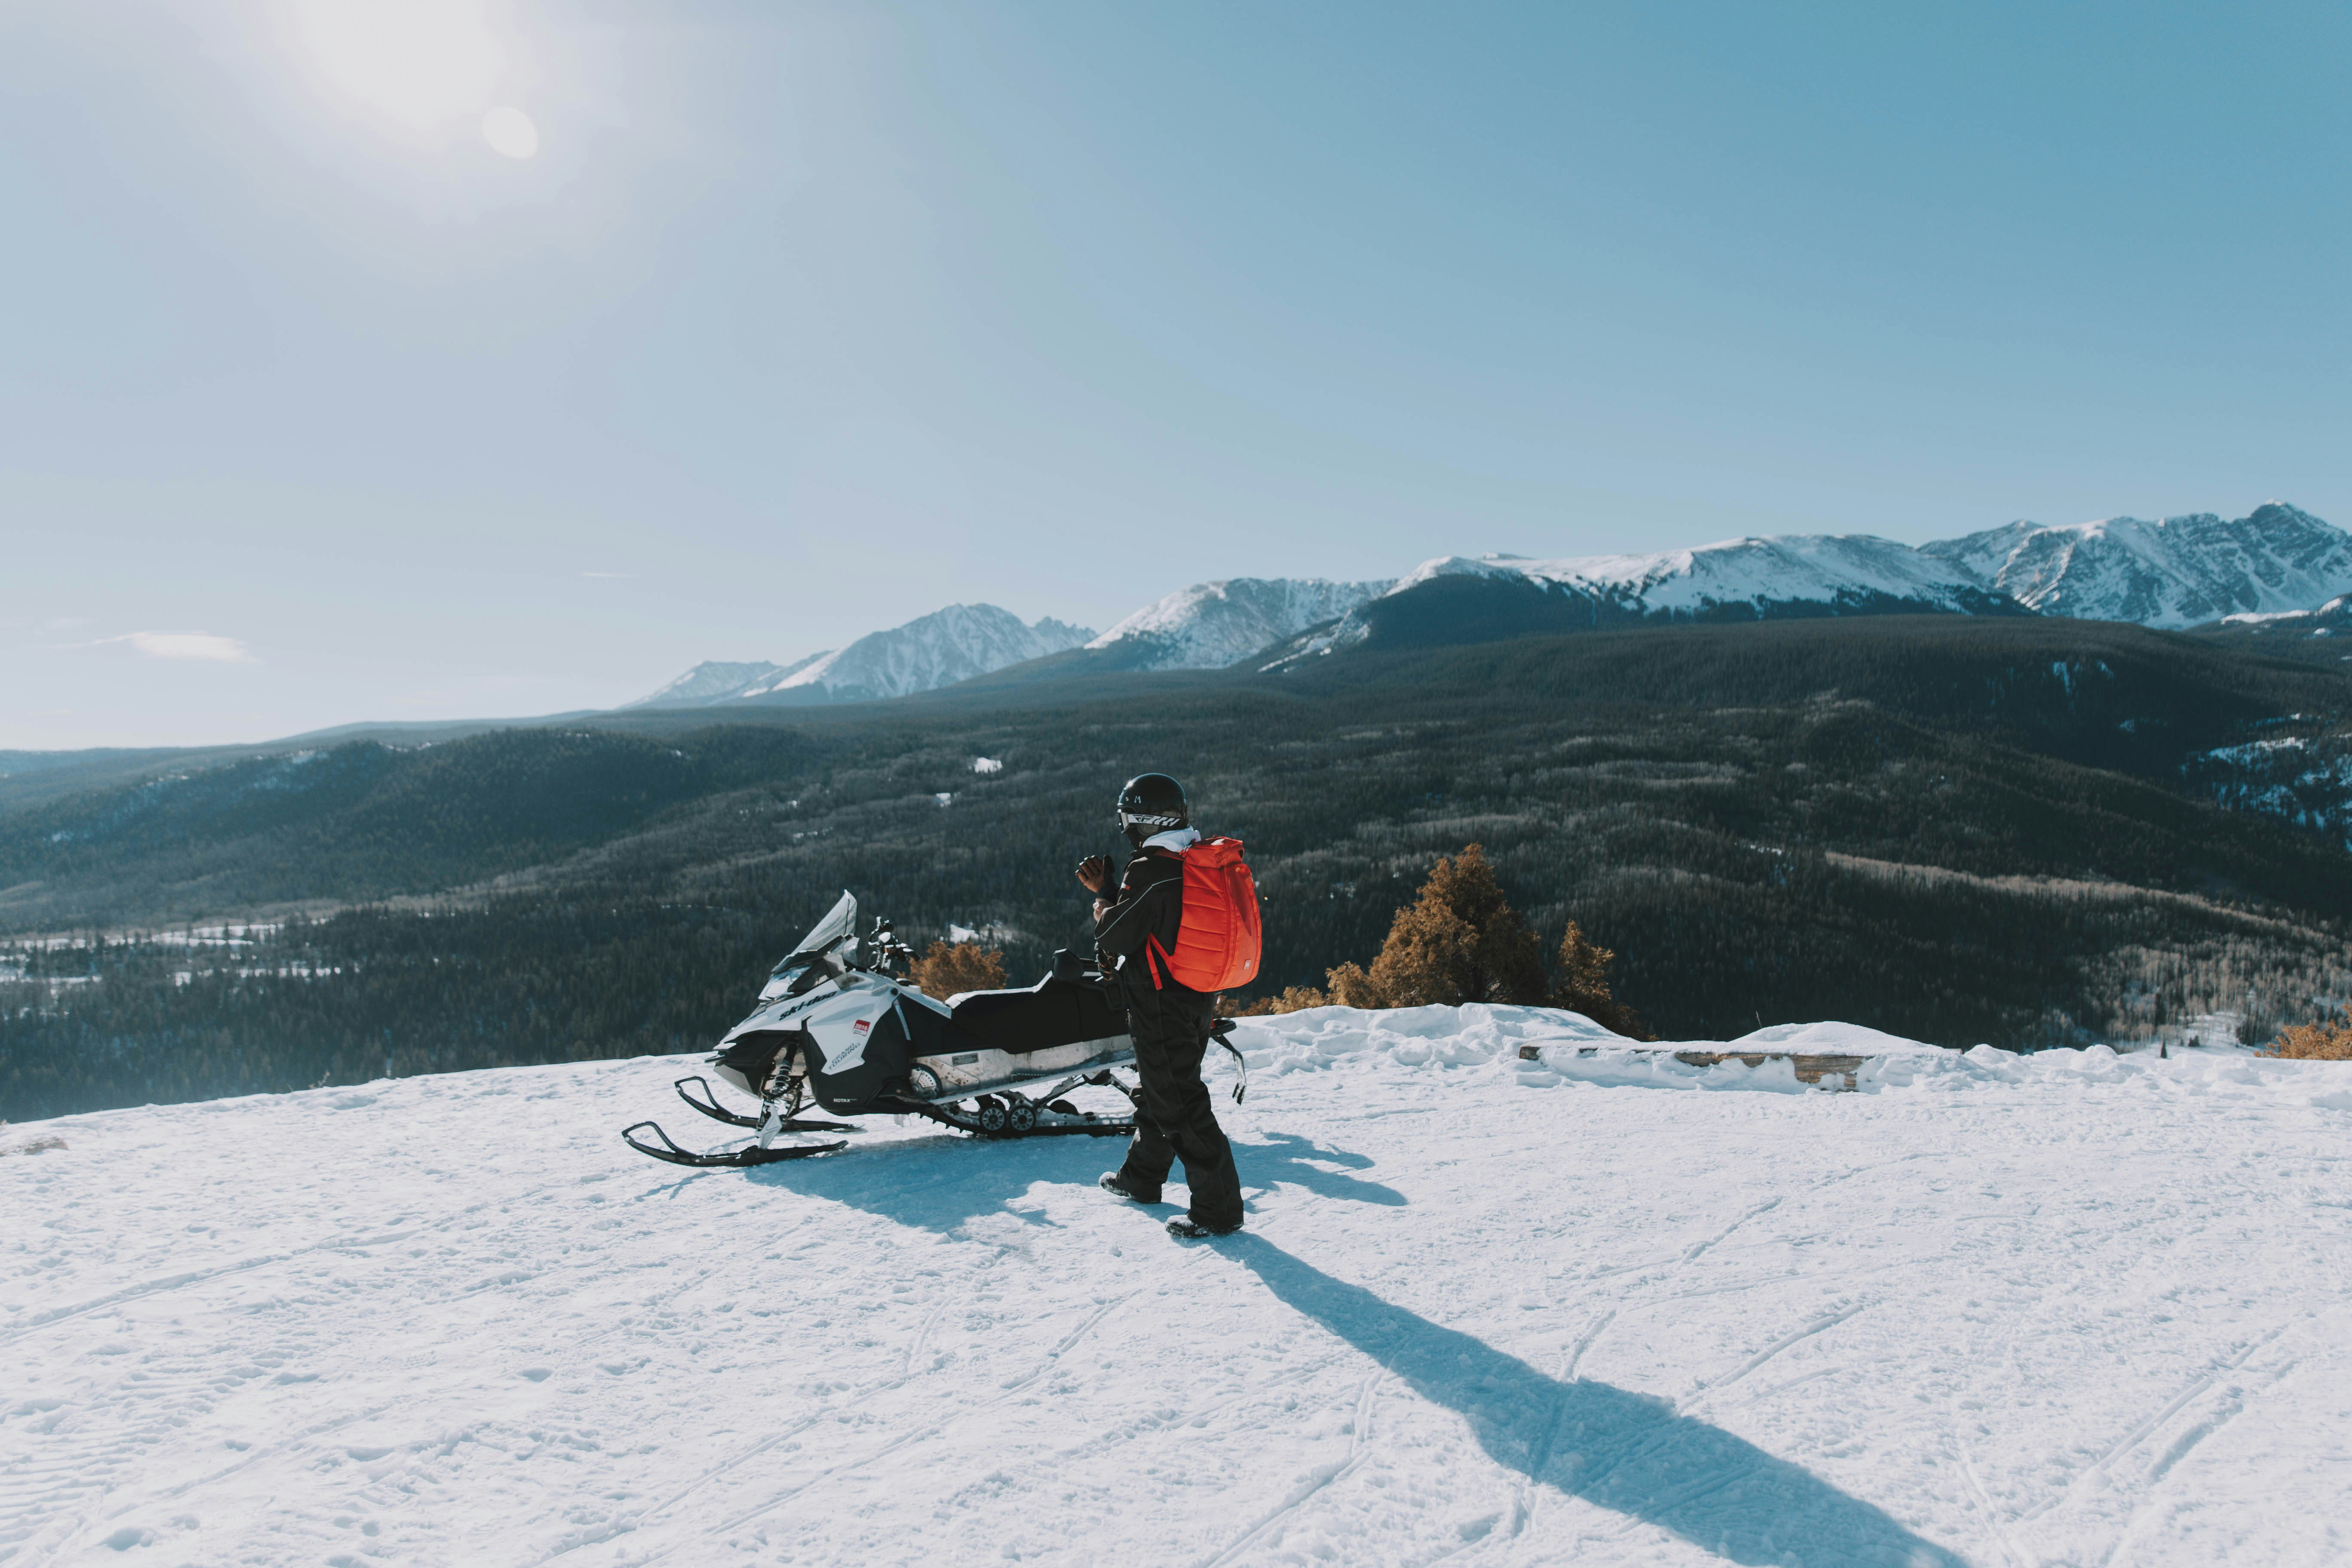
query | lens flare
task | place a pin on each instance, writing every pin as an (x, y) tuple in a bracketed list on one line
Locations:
[(509, 129)]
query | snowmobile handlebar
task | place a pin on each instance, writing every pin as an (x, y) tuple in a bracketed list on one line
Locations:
[(887, 949)]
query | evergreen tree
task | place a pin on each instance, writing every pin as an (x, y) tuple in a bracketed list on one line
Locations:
[(1583, 986), (2324, 1041), (1460, 941)]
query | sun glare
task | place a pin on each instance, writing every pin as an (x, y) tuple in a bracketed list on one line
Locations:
[(509, 129), (424, 65)]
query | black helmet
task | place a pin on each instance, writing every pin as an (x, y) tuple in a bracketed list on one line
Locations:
[(1149, 803)]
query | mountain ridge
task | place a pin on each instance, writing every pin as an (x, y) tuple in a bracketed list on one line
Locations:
[(2171, 574), (949, 644), (2187, 570)]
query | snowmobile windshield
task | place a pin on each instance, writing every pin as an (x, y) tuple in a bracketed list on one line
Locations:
[(826, 935), (813, 960)]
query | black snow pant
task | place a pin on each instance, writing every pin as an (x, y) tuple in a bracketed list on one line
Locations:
[(1175, 1119)]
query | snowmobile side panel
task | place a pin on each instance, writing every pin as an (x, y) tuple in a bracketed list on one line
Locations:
[(843, 1029), (877, 1057), (961, 1074), (870, 1049)]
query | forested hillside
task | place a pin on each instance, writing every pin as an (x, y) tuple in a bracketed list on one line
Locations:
[(1955, 831)]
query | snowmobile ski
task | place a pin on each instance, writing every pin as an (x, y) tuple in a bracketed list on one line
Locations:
[(752, 1155)]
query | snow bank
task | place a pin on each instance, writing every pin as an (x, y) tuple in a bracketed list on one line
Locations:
[(1410, 1036), (1571, 1049), (1475, 1034)]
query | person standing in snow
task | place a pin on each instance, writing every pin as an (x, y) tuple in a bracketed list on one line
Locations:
[(1174, 1118)]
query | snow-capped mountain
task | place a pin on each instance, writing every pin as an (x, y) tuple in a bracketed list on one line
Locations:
[(713, 681), (929, 652), (1748, 577), (1211, 624), (1462, 599), (2174, 571)]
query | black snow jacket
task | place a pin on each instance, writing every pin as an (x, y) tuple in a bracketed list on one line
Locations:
[(1151, 903)]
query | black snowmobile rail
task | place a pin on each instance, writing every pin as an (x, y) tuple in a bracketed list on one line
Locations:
[(1017, 1116), (1004, 1113), (708, 1105), (736, 1158)]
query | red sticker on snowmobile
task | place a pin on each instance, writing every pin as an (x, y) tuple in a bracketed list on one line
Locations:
[(861, 1026)]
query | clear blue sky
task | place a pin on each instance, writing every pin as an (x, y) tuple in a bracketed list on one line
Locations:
[(806, 319)]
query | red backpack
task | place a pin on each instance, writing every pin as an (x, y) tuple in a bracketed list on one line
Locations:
[(1217, 945)]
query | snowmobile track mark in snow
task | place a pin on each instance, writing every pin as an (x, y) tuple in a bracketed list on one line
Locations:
[(1576, 1356), (132, 1293), (1318, 1480), (2235, 1401), (1693, 1256), (925, 1434), (2197, 1385), (1818, 1326), (193, 1277), (1983, 1497)]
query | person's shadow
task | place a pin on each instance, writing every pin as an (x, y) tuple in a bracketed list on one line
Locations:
[(1286, 1157), (943, 1183), (1624, 1451)]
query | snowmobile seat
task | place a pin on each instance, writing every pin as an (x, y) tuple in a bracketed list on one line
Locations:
[(1056, 1011)]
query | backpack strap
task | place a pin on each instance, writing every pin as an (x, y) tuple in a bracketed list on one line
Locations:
[(1222, 1031), (1155, 958)]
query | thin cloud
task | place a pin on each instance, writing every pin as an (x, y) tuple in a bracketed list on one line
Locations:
[(622, 577), (201, 645)]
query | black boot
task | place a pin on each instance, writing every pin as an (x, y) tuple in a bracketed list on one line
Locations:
[(1113, 1182), (1184, 1227)]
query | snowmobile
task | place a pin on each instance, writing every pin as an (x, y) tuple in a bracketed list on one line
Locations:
[(857, 1040)]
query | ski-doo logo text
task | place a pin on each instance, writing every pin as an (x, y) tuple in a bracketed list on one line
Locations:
[(860, 1028)]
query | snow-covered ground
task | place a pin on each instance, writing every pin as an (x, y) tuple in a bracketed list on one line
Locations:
[(2073, 1309)]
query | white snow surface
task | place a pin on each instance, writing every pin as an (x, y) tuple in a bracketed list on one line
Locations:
[(1211, 624), (2070, 1309), (1822, 568), (2174, 571)]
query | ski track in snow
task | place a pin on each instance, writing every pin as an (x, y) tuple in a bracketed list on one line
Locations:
[(1489, 1312)]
